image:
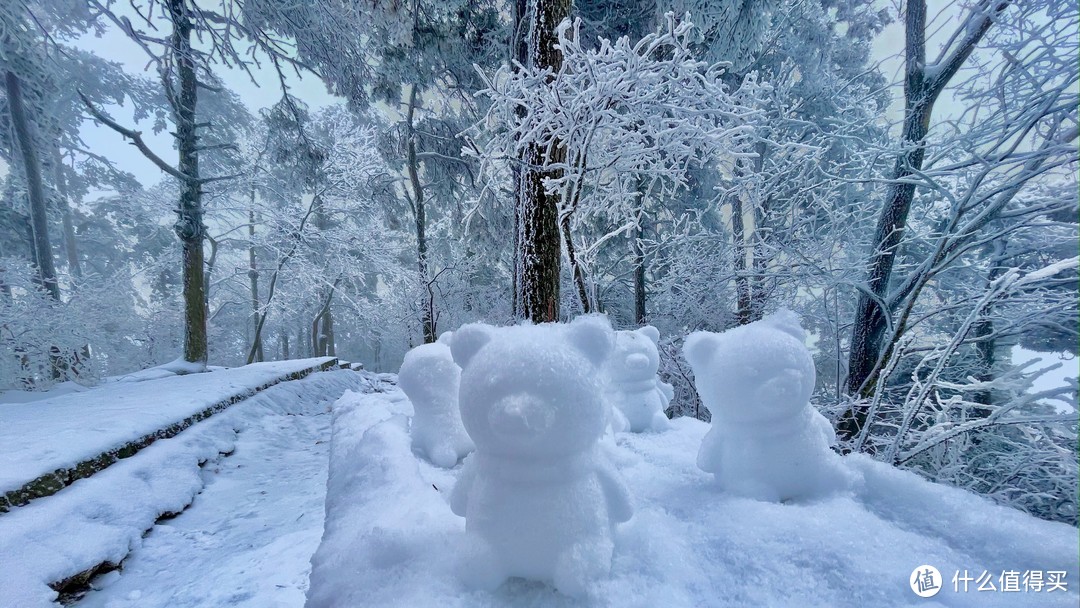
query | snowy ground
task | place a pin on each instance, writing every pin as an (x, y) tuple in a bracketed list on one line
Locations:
[(392, 540), (248, 537), (42, 436), (235, 546)]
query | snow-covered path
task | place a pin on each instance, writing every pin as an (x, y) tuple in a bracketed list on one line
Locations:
[(247, 538)]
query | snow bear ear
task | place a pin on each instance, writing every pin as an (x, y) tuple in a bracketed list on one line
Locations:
[(651, 333), (445, 337), (468, 341), (788, 322), (592, 335), (697, 347)]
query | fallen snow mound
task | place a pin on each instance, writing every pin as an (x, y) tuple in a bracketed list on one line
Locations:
[(391, 539)]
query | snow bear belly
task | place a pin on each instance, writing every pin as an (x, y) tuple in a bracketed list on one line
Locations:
[(761, 463), (530, 523)]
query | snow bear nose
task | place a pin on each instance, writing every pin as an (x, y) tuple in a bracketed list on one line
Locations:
[(637, 361), (520, 415)]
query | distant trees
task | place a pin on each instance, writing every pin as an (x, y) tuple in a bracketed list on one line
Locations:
[(320, 229)]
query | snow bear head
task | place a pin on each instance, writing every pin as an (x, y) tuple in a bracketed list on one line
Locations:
[(635, 356), (429, 375), (533, 390), (757, 372)]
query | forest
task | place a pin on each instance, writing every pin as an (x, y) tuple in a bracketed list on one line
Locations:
[(194, 183)]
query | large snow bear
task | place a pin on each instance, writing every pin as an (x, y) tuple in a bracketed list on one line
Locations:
[(539, 497), (634, 388), (429, 377), (766, 442)]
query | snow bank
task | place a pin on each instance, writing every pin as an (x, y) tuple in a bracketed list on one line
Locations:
[(48, 435), (102, 518), (392, 540)]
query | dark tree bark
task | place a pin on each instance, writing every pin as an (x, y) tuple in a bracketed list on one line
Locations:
[(640, 318), (427, 315), (519, 53), (253, 279), (576, 269), (921, 90), (538, 255), (743, 296), (70, 246), (637, 249), (750, 274), (985, 343), (322, 326), (39, 222), (189, 223)]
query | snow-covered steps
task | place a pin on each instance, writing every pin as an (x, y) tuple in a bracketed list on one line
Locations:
[(53, 544), (46, 445), (390, 538)]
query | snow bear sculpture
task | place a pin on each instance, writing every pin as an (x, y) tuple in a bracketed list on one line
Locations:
[(766, 442), (634, 388), (429, 377), (539, 497)]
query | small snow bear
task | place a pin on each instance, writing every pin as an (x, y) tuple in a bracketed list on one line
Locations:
[(766, 442), (429, 377), (539, 497), (634, 388)]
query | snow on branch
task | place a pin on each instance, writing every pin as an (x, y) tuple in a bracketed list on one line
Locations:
[(625, 113)]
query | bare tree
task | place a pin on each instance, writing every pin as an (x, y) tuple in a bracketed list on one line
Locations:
[(923, 84), (538, 256), (1016, 132)]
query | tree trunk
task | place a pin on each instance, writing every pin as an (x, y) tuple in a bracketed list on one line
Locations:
[(70, 247), (920, 92), (743, 296), (427, 315), (985, 344), (538, 256), (519, 53), (253, 278), (640, 317), (577, 271), (316, 335), (285, 345), (189, 223), (322, 326), (328, 331), (39, 222)]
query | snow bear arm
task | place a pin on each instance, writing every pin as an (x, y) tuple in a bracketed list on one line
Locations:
[(666, 390), (615, 494), (708, 457), (459, 499), (825, 427)]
